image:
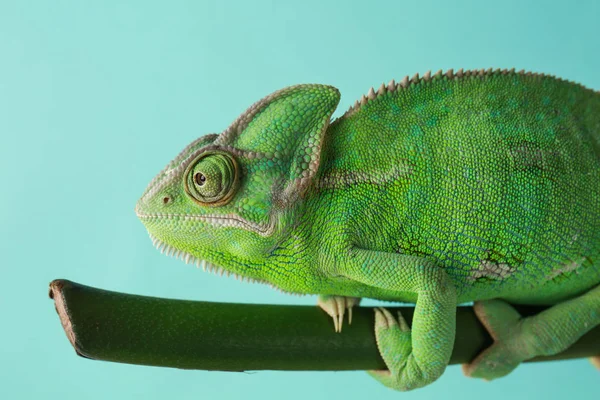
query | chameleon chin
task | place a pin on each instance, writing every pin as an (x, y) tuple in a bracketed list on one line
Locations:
[(461, 186)]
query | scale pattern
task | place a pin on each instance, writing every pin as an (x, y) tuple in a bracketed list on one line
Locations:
[(495, 176)]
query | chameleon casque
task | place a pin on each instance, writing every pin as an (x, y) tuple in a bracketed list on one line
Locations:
[(455, 187)]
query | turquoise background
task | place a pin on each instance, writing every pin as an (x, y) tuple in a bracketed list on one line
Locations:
[(97, 96)]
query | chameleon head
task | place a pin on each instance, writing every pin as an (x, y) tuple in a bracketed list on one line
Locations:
[(227, 200)]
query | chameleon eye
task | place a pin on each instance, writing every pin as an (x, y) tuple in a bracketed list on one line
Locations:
[(212, 178)]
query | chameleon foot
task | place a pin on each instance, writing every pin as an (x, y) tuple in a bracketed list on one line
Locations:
[(502, 322), (518, 339), (336, 307), (395, 346)]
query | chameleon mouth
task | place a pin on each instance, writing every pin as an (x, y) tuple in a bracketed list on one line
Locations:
[(223, 221)]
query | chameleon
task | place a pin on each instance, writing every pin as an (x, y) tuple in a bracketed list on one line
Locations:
[(470, 186)]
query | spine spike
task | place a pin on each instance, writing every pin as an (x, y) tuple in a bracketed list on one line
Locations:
[(381, 90), (450, 73), (392, 85), (371, 94)]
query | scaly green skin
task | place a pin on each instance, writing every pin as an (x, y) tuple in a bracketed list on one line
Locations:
[(477, 186)]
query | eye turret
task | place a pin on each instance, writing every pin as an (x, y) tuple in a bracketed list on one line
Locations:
[(212, 178)]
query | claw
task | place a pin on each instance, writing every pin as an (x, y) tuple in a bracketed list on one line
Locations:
[(391, 321), (385, 319), (380, 321), (341, 312), (402, 322), (336, 307)]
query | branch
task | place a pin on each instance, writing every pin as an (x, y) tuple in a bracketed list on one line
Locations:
[(125, 328)]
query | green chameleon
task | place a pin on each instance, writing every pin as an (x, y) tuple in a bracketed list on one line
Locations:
[(470, 186)]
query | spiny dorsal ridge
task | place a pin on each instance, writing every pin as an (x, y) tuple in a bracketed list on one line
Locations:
[(406, 82)]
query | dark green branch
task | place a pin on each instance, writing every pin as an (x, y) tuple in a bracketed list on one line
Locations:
[(126, 328)]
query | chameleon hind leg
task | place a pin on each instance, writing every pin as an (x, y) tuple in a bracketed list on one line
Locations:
[(517, 339)]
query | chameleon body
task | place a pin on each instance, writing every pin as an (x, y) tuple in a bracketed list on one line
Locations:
[(471, 186)]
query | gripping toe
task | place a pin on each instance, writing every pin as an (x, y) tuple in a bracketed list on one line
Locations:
[(502, 323), (336, 307)]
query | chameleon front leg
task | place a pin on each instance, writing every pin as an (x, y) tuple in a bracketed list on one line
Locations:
[(518, 339), (419, 356)]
